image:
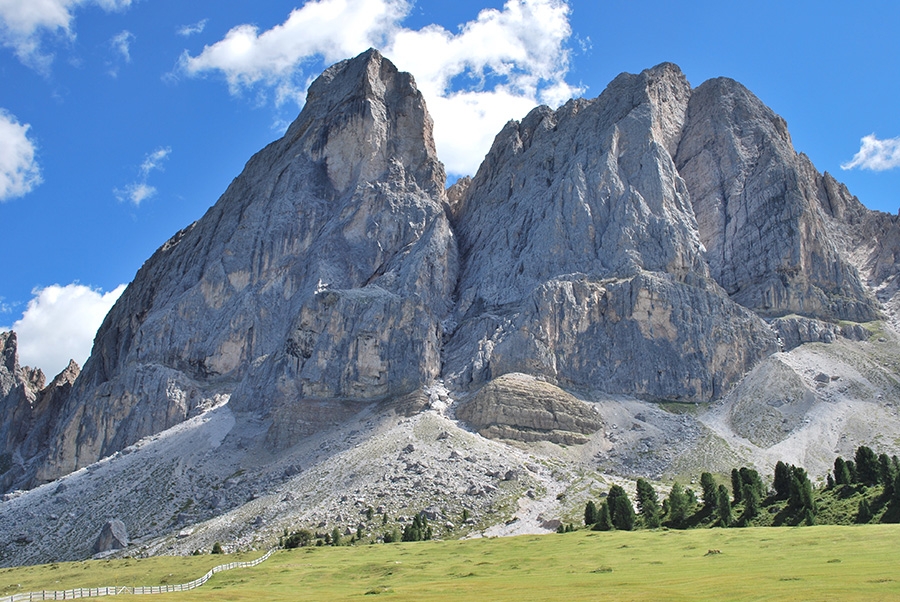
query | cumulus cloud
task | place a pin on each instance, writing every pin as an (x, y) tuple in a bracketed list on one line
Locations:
[(494, 68), (23, 23), (59, 324), (19, 171), (875, 154), (140, 190), (189, 30)]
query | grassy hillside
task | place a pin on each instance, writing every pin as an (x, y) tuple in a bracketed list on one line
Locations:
[(821, 563)]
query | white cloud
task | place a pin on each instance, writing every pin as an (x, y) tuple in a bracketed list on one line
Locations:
[(60, 323), (154, 160), (189, 30), (495, 68), (135, 192), (19, 171), (23, 22), (875, 154), (121, 43), (139, 191)]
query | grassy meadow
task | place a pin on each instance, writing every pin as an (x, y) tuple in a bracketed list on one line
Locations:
[(803, 563)]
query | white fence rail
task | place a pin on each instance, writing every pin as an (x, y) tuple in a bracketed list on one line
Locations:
[(95, 592)]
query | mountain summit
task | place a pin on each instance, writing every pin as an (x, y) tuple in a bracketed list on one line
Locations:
[(659, 243)]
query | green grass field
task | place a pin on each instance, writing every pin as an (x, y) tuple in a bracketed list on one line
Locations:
[(806, 563)]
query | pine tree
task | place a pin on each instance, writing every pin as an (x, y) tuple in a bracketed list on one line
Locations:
[(604, 520), (724, 506), (710, 491), (866, 465), (751, 502), (895, 494), (648, 504), (217, 548), (615, 492), (885, 470), (590, 513), (335, 537), (623, 515), (782, 482), (752, 478), (841, 472), (737, 485), (678, 505)]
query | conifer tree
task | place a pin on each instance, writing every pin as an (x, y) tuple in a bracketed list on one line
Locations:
[(678, 505), (604, 521), (885, 470), (709, 491), (751, 502), (782, 482), (841, 472), (615, 492), (737, 485), (648, 504), (623, 515), (866, 465), (590, 513), (724, 506)]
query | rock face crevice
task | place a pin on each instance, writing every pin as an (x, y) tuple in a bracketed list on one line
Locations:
[(636, 243)]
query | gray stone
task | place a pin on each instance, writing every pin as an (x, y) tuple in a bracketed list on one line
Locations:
[(518, 406), (113, 536), (758, 210)]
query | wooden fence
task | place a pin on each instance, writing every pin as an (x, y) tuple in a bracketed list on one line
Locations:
[(94, 592)]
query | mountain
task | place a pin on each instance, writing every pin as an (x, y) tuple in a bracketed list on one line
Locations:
[(647, 283)]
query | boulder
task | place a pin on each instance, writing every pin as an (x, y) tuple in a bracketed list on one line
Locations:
[(113, 536)]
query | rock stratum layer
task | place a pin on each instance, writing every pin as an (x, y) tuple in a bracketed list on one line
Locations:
[(636, 243)]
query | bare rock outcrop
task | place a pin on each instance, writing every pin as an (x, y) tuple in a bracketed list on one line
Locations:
[(113, 536), (322, 273), (521, 407), (29, 408), (758, 210), (628, 244), (583, 261)]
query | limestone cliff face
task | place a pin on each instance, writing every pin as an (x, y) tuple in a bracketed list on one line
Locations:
[(758, 210), (582, 257), (29, 410), (323, 272), (630, 244)]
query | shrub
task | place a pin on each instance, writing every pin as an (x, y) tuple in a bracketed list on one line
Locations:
[(217, 548)]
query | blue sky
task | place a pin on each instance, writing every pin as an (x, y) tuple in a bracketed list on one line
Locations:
[(122, 121)]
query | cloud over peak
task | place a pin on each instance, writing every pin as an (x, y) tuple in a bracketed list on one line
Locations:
[(875, 154), (496, 67), (59, 324)]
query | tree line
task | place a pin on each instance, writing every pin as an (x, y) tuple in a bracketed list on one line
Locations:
[(789, 499)]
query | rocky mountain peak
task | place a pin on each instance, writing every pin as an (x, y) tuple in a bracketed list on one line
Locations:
[(367, 121)]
